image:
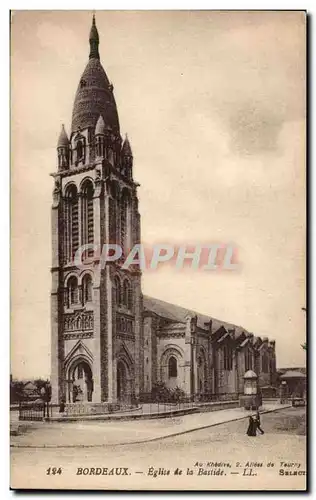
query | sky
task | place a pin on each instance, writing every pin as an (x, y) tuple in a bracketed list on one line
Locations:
[(214, 107)]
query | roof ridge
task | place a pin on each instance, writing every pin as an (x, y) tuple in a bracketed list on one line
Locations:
[(198, 314)]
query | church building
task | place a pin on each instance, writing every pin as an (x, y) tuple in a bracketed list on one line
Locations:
[(109, 342)]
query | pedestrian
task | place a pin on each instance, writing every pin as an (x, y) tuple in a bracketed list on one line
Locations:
[(252, 427), (258, 425), (62, 406)]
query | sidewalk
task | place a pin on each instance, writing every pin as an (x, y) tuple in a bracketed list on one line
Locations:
[(111, 433)]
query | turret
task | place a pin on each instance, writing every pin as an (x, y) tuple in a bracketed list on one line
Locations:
[(127, 158), (63, 150), (100, 138)]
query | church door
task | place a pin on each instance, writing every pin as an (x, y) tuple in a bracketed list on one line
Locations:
[(82, 383), (123, 383)]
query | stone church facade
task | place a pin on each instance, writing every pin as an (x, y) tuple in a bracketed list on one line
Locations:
[(109, 342)]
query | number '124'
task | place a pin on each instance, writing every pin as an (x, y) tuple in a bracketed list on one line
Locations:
[(54, 470)]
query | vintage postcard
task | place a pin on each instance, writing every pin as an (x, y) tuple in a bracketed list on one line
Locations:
[(158, 250)]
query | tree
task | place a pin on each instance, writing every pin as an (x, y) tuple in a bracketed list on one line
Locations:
[(43, 389), (40, 384), (16, 391)]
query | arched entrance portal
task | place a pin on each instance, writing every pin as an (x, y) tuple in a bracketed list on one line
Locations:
[(123, 383), (81, 382)]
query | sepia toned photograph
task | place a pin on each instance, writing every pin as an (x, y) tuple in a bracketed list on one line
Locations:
[(158, 250)]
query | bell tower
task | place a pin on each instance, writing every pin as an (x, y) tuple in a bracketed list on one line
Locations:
[(96, 307)]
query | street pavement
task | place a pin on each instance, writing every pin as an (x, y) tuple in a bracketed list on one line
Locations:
[(92, 433), (282, 447)]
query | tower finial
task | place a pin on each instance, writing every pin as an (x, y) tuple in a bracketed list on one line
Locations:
[(94, 40)]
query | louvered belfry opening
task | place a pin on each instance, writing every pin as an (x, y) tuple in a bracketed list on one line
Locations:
[(71, 223), (87, 221)]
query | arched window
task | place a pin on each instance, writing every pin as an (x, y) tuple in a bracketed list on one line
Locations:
[(87, 229), (79, 150), (117, 285), (265, 363), (228, 357), (248, 360), (125, 223), (110, 155), (80, 370), (71, 224), (86, 289), (73, 295), (100, 146), (130, 298), (114, 213), (172, 367), (127, 295)]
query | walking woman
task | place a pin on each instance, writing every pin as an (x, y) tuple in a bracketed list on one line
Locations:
[(258, 422), (252, 427)]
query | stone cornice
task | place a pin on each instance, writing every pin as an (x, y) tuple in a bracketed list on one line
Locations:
[(105, 164), (126, 336), (72, 171), (77, 335), (171, 334)]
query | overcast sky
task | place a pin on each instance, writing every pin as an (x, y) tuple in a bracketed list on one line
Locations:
[(214, 106)]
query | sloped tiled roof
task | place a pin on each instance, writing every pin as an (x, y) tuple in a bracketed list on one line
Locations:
[(178, 314), (293, 374), (292, 368)]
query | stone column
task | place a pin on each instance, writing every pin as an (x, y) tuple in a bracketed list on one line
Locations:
[(187, 357), (97, 344), (195, 366), (133, 224), (96, 394), (57, 347), (139, 348), (111, 393), (236, 372), (56, 350), (108, 354)]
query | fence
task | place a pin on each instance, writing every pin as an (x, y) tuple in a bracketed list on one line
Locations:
[(210, 397), (148, 397), (29, 410), (160, 407), (145, 403)]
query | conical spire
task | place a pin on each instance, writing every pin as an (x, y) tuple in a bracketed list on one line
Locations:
[(126, 148), (94, 96), (94, 41), (63, 138)]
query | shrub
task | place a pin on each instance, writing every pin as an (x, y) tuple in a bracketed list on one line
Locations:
[(160, 392), (177, 395)]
